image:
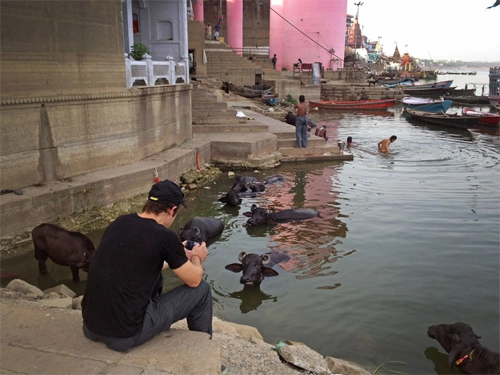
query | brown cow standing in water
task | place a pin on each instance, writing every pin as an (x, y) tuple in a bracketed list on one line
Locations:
[(63, 247)]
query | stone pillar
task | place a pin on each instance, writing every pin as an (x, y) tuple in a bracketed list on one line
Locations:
[(199, 14), (235, 25), (276, 32)]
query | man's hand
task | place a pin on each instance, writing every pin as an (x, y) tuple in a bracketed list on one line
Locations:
[(198, 250), (191, 272)]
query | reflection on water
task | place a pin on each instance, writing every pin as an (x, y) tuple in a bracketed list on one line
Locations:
[(403, 241)]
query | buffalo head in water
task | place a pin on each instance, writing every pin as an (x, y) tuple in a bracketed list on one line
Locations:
[(255, 267)]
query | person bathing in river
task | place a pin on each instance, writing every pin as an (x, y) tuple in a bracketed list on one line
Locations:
[(383, 145), (350, 143)]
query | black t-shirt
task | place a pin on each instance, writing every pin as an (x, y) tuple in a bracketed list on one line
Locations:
[(123, 272)]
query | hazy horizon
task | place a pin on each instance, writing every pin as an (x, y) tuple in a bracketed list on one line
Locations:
[(444, 30)]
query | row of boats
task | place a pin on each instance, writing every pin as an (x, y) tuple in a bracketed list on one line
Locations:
[(422, 104), (429, 110), (434, 111)]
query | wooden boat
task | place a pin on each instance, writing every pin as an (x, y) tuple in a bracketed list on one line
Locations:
[(250, 91), (464, 92), (485, 118), (428, 105), (444, 119), (352, 104), (468, 99), (270, 99), (434, 84), (415, 91), (403, 84)]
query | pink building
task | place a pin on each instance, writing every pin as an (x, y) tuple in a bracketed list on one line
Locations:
[(312, 30)]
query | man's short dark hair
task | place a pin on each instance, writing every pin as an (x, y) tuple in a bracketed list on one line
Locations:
[(393, 138), (302, 98), (157, 208)]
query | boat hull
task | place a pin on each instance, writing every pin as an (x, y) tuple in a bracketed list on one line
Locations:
[(428, 91), (441, 84), (250, 91), (443, 119), (472, 99), (270, 101), (434, 107), (350, 105), (485, 118)]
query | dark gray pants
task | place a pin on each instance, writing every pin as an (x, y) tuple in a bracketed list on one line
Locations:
[(162, 311)]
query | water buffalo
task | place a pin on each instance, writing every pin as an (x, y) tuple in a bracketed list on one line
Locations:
[(259, 216), (240, 184), (465, 351), (63, 247), (255, 267), (257, 187), (240, 189), (201, 228), (274, 179)]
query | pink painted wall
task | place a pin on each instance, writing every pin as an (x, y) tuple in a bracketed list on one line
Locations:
[(323, 21), (235, 25), (199, 14)]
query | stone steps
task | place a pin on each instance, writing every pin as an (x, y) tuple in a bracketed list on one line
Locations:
[(242, 148), (230, 128), (312, 141)]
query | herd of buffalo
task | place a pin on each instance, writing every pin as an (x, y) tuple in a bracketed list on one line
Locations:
[(75, 250)]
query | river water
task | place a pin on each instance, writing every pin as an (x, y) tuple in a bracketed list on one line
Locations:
[(404, 241)]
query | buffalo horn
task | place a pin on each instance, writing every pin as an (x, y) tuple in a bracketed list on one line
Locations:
[(241, 256), (265, 259)]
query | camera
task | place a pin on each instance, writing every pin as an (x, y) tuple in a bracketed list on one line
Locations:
[(191, 244)]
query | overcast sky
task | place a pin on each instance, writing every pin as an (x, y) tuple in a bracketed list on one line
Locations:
[(437, 29)]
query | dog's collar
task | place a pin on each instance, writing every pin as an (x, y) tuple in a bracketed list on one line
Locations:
[(459, 361)]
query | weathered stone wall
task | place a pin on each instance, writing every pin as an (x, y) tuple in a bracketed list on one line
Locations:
[(52, 47), (64, 106), (66, 137), (294, 88)]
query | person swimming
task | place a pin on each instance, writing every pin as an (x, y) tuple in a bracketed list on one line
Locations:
[(383, 145)]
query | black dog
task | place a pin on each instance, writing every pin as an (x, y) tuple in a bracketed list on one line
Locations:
[(464, 349)]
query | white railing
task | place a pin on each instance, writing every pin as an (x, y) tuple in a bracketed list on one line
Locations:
[(151, 71)]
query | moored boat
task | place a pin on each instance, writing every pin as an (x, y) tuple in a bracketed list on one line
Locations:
[(464, 92), (250, 91), (444, 119), (352, 104), (468, 99), (270, 98), (439, 84), (485, 118), (416, 91), (425, 104), (403, 84)]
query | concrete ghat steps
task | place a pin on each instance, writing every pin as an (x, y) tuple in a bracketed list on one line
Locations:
[(229, 128), (314, 154), (240, 146)]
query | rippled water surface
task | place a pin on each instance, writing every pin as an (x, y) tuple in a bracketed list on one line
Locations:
[(404, 241)]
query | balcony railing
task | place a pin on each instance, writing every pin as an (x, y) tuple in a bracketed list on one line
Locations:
[(150, 71)]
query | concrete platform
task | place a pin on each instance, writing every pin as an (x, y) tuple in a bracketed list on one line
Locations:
[(51, 342)]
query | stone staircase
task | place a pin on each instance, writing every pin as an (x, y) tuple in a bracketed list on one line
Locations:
[(256, 141), (235, 141), (226, 65)]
